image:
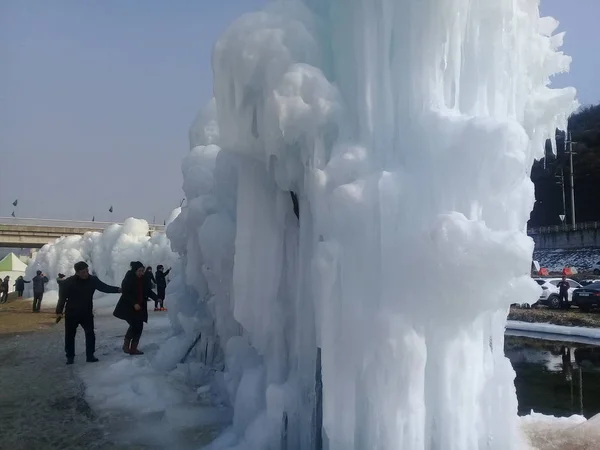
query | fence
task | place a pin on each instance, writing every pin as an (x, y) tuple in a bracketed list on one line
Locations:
[(565, 228)]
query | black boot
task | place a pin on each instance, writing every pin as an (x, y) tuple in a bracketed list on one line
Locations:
[(92, 359), (70, 361)]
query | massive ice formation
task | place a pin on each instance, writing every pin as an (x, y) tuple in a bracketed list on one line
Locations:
[(108, 253), (405, 130)]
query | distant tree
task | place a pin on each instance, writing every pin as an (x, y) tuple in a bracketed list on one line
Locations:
[(585, 133)]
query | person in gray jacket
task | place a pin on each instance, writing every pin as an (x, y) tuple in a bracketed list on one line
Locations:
[(39, 286)]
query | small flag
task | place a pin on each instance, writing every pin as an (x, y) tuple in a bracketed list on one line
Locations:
[(13, 214), (15, 203), (110, 209), (93, 218)]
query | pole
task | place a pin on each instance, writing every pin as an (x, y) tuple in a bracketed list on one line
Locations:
[(572, 182), (562, 186)]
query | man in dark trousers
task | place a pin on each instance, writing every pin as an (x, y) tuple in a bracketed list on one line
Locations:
[(563, 292), (161, 287), (39, 286), (77, 293)]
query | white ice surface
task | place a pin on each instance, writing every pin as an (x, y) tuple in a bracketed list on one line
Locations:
[(593, 333)]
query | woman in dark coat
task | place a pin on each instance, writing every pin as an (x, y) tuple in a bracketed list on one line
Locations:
[(132, 308), (20, 286)]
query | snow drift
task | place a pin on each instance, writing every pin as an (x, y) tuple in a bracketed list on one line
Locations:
[(352, 150), (108, 253)]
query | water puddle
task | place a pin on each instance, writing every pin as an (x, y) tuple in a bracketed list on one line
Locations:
[(554, 377)]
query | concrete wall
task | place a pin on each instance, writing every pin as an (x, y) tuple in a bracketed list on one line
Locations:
[(573, 239)]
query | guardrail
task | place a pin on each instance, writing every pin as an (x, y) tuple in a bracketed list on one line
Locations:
[(564, 228), (55, 223)]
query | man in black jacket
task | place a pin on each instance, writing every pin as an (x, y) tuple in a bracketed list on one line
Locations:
[(563, 292), (77, 292), (39, 286)]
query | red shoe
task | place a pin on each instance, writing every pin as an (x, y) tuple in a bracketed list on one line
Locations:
[(163, 309), (156, 309)]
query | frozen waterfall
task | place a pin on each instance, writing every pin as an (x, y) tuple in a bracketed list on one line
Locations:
[(405, 130)]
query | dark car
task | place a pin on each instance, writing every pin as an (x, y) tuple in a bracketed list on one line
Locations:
[(587, 297)]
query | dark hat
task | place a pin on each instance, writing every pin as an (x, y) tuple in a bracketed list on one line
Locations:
[(160, 267), (135, 265), (61, 275), (148, 269), (39, 272), (80, 266)]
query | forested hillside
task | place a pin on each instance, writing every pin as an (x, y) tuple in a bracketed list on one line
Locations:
[(585, 131)]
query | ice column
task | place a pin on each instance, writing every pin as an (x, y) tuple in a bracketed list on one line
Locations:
[(407, 130)]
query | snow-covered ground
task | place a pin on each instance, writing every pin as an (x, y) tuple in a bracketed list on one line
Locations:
[(556, 260), (147, 404), (565, 433)]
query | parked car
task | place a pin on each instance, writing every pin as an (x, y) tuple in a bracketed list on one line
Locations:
[(587, 297), (549, 296), (596, 268)]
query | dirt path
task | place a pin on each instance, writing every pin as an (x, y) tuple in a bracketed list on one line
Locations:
[(16, 317)]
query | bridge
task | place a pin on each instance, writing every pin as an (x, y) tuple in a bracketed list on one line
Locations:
[(35, 233)]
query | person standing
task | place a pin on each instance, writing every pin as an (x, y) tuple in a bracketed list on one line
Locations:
[(60, 280), (150, 277), (132, 306), (39, 285), (148, 274), (76, 299), (4, 289), (161, 287), (20, 286), (563, 292)]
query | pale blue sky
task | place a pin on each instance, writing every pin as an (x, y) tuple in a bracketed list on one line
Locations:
[(96, 97)]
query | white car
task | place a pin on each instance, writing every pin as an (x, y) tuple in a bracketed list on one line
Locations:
[(596, 268), (550, 292)]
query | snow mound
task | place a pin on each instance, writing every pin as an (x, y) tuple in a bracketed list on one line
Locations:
[(107, 253), (561, 433)]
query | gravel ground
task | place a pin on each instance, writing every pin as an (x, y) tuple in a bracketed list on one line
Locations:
[(42, 405), (41, 400)]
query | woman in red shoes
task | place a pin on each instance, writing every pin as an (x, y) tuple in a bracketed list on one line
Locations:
[(132, 307)]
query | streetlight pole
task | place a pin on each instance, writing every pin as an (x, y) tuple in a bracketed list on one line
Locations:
[(572, 181), (562, 187)]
